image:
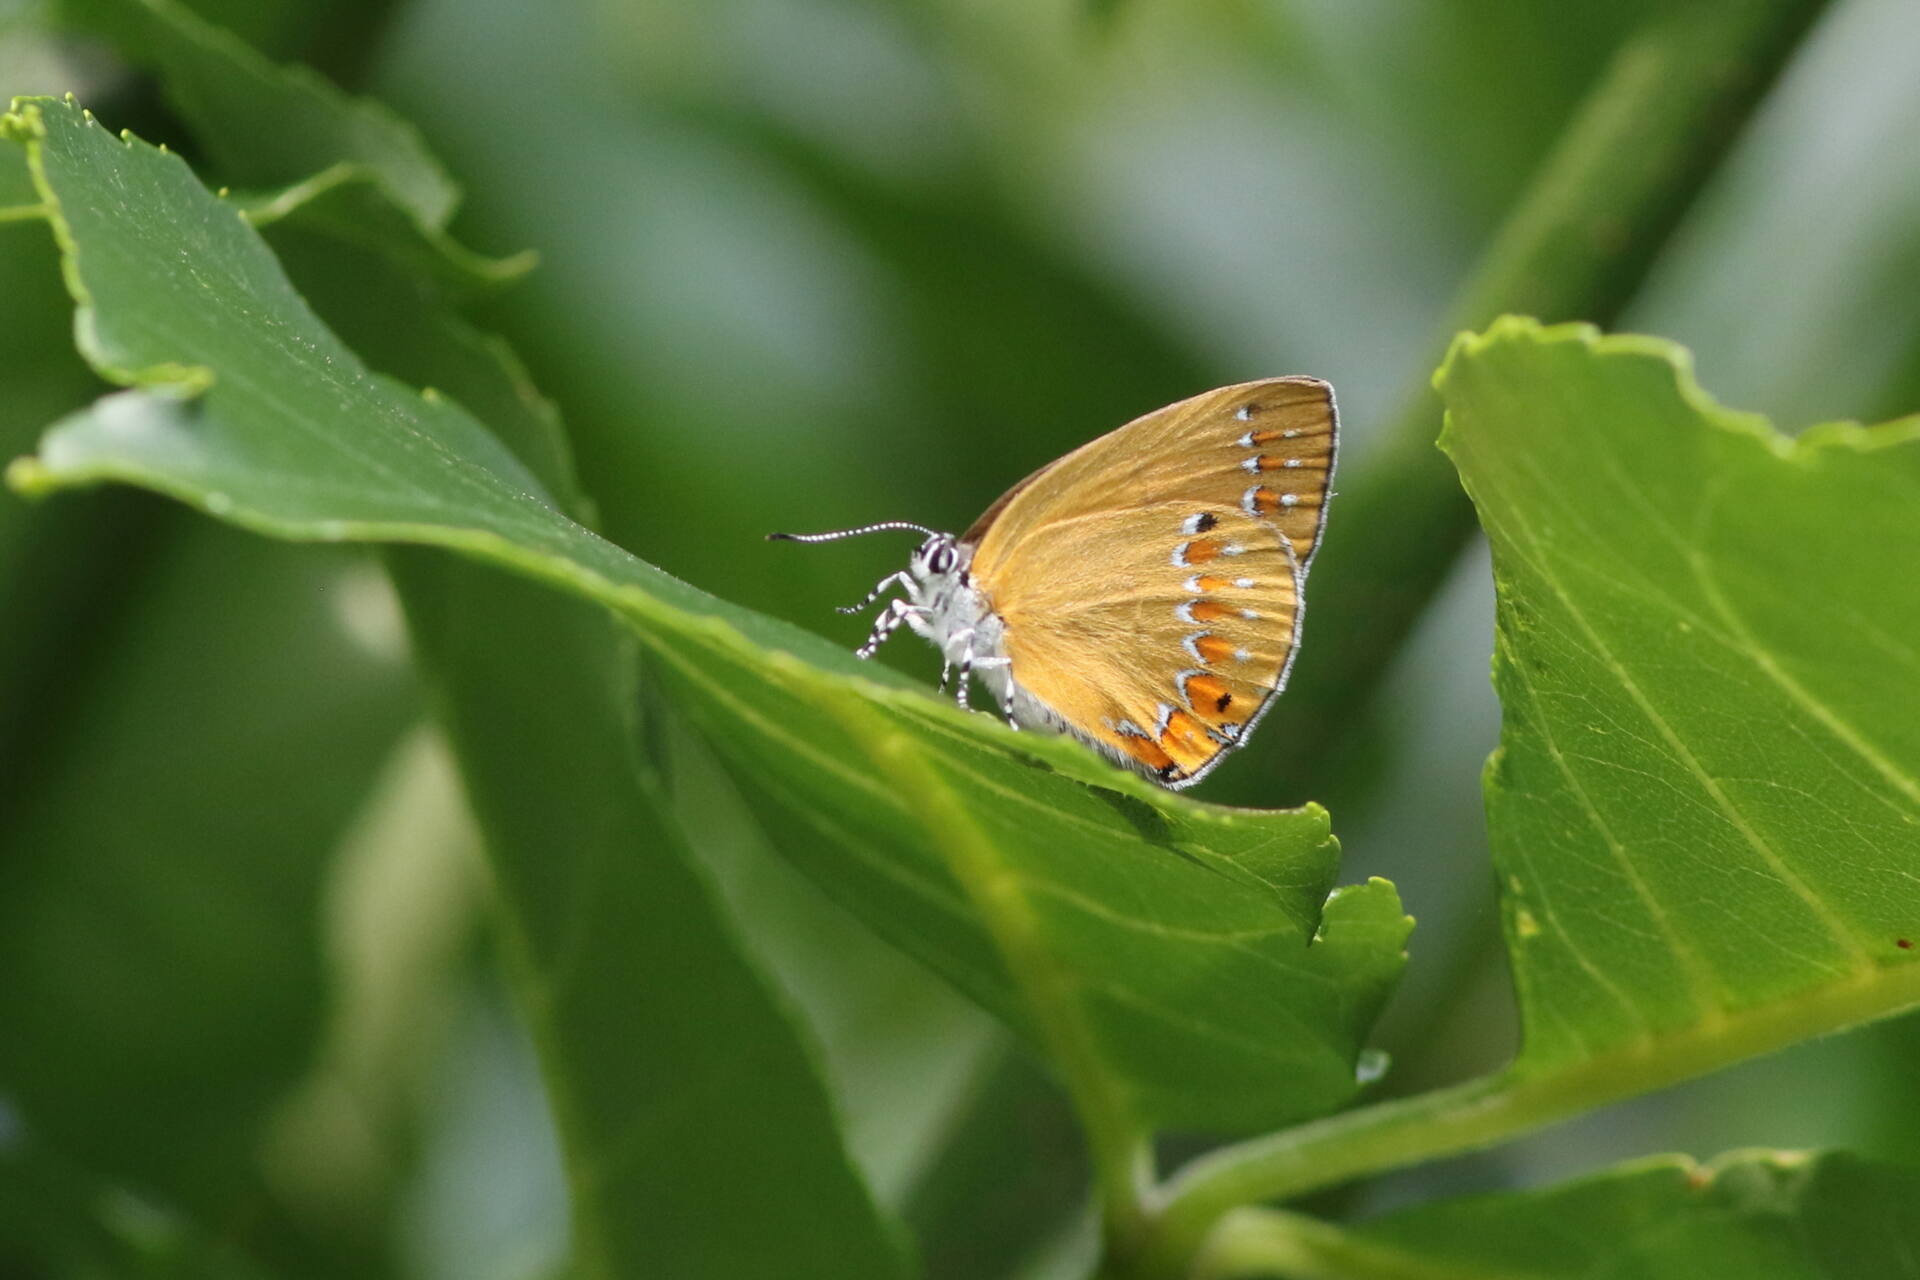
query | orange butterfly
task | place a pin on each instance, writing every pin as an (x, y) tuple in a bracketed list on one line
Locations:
[(1143, 593)]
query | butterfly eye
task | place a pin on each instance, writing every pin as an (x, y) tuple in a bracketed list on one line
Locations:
[(941, 561)]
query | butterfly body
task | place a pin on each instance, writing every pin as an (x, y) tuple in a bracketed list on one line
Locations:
[(941, 603), (1142, 593)]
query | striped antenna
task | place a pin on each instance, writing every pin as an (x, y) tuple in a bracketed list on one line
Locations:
[(838, 534)]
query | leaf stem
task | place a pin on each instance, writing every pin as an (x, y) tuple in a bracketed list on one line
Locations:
[(1482, 1112), (1643, 146)]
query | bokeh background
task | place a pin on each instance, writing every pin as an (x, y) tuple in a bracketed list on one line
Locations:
[(807, 264)]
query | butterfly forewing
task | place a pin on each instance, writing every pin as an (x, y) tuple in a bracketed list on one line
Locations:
[(1266, 448)]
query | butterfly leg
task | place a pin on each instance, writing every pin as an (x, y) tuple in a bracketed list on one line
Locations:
[(896, 612), (878, 588), (969, 662), (966, 668)]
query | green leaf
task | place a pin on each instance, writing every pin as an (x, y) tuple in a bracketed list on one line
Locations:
[(1162, 943), (417, 338), (305, 150), (1705, 810), (347, 201), (277, 125), (1751, 1215)]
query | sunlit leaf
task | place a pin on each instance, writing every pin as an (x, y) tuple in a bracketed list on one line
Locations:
[(1706, 806)]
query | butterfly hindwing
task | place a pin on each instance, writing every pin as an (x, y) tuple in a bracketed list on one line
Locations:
[(1159, 633)]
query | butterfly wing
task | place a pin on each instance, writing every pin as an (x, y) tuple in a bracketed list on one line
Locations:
[(1149, 582), (1265, 447), (1158, 646)]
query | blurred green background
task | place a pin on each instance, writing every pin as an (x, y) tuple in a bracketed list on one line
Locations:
[(807, 264)]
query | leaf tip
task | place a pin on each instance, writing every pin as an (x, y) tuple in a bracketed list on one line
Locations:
[(30, 478), (1377, 899)]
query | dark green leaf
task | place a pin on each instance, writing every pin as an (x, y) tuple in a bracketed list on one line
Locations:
[(1747, 1216), (58, 1222), (277, 125), (1165, 940), (347, 201), (162, 874), (304, 150), (676, 1078), (17, 197), (418, 339)]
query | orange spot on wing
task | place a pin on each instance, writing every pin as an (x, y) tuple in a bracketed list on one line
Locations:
[(1265, 501), (1207, 582), (1207, 694), (1146, 751), (1212, 648), (1208, 611), (1272, 462), (1306, 439), (1201, 550)]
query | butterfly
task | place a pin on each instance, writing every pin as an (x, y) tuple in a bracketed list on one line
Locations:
[(1142, 593)]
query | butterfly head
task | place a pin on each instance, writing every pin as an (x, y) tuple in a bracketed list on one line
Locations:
[(940, 558), (939, 602)]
